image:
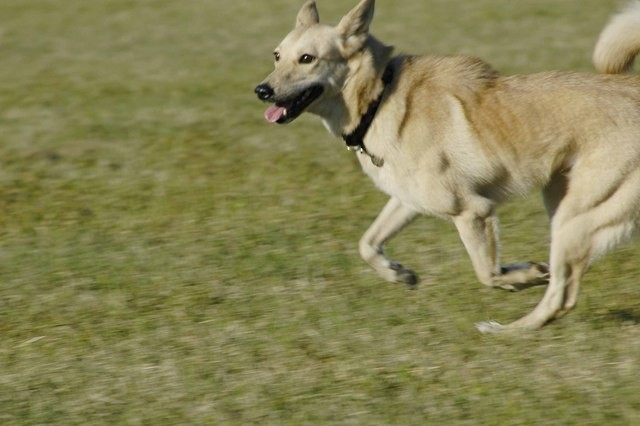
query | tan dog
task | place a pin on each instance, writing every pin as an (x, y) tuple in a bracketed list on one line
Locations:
[(448, 136)]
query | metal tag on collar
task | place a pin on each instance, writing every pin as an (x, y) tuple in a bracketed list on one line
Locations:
[(376, 161)]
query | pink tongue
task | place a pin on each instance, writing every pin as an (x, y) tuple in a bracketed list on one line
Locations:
[(274, 113)]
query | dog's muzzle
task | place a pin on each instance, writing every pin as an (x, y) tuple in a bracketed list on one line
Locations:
[(285, 110), (264, 92)]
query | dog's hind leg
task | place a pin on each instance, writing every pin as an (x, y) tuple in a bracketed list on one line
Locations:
[(585, 225), (393, 217), (570, 255)]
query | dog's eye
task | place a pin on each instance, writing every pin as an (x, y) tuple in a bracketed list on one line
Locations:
[(276, 56), (307, 59)]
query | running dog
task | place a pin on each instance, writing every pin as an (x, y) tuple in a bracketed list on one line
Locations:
[(449, 136)]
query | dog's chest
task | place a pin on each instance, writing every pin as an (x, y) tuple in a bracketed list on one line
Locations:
[(410, 181)]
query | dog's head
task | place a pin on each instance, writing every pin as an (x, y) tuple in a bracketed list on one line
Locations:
[(312, 62)]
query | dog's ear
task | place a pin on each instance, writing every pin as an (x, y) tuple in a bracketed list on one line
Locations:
[(308, 15), (354, 26)]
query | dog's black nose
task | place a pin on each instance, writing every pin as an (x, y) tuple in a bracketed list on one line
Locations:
[(264, 92)]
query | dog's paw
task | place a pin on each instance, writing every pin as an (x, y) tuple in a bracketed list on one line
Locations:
[(405, 275), (409, 277), (521, 276), (489, 327)]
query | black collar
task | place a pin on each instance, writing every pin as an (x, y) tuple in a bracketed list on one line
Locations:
[(355, 140)]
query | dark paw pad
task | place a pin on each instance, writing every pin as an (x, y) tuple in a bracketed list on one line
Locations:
[(405, 275)]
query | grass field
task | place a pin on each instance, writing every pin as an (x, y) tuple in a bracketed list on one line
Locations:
[(168, 258)]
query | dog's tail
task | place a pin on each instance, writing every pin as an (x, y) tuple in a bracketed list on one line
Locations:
[(619, 42)]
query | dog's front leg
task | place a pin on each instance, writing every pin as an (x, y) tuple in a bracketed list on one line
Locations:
[(393, 217), (479, 234)]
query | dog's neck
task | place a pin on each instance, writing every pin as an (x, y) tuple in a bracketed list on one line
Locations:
[(363, 86), (355, 139)]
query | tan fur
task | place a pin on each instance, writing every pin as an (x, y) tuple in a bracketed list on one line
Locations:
[(619, 43), (457, 139)]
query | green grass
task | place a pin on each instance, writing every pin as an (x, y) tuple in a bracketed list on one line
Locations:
[(166, 257)]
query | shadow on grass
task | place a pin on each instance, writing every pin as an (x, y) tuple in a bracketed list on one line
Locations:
[(628, 315)]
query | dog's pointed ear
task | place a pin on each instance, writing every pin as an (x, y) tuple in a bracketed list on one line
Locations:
[(308, 15), (354, 26)]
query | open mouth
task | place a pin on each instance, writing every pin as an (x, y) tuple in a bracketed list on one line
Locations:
[(289, 109)]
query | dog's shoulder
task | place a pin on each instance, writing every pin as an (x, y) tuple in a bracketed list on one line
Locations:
[(461, 76)]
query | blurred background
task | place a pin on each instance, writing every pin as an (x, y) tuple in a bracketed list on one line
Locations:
[(167, 257)]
